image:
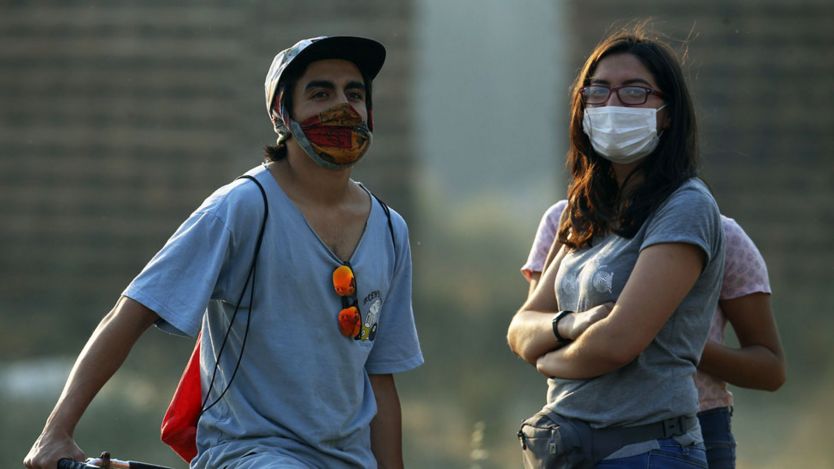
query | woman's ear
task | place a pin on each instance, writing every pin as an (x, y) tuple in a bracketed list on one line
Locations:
[(665, 119)]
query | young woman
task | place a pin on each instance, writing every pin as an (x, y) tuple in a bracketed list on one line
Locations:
[(634, 287), (758, 363)]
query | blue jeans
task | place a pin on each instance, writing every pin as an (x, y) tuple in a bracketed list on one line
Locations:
[(670, 455), (718, 437)]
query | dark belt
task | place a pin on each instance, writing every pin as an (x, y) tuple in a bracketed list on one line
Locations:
[(608, 440)]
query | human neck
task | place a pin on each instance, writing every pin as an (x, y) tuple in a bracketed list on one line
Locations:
[(622, 171), (308, 182)]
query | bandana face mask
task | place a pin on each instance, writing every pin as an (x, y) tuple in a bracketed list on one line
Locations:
[(336, 138)]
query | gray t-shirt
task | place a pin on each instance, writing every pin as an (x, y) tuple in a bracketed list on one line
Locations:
[(302, 389), (658, 384)]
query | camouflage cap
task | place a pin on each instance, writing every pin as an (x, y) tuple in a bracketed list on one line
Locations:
[(367, 54)]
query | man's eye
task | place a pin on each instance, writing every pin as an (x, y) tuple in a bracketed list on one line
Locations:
[(356, 96)]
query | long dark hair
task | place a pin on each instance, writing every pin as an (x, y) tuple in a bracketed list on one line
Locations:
[(596, 204)]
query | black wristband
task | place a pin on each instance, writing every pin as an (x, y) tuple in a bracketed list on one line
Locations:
[(559, 316)]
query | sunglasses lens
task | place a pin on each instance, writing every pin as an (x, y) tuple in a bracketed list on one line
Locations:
[(343, 281), (349, 321)]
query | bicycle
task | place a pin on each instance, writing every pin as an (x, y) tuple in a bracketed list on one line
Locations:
[(106, 462)]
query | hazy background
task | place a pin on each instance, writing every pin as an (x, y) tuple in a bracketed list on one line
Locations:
[(117, 118)]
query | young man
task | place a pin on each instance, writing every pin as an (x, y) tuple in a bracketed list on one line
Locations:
[(308, 338)]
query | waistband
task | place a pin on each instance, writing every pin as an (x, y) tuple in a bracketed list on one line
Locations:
[(716, 410), (607, 440)]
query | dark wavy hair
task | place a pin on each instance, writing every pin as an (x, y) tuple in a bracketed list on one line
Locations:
[(596, 204), (288, 81)]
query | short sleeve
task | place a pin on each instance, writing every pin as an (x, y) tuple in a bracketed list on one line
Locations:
[(396, 347), (545, 234), (745, 271), (179, 280), (689, 216)]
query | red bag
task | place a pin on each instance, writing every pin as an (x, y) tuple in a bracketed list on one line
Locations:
[(179, 426)]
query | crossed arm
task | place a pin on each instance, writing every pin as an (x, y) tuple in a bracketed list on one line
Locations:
[(661, 278)]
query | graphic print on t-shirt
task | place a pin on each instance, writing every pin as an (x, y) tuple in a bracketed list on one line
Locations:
[(571, 284), (373, 305), (603, 280)]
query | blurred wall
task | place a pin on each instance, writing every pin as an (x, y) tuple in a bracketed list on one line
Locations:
[(118, 118)]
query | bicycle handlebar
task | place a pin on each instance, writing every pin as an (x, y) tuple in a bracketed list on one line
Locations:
[(115, 464), (70, 464)]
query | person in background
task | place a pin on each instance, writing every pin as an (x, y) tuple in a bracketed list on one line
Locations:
[(758, 362), (623, 312)]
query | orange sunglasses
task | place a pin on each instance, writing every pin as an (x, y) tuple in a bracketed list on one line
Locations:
[(344, 282)]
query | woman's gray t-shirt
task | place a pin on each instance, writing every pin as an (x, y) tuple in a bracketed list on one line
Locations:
[(658, 384)]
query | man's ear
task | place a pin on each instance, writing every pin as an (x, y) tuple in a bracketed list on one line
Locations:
[(277, 122)]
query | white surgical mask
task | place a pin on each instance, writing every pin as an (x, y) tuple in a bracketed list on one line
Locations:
[(622, 134)]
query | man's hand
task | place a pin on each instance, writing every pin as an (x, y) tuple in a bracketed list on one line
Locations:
[(573, 325), (49, 448)]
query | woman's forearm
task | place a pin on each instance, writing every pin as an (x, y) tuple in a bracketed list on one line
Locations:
[(753, 366), (758, 362), (661, 278), (530, 335), (589, 356)]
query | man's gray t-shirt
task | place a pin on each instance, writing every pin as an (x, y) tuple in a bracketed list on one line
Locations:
[(658, 384), (302, 389)]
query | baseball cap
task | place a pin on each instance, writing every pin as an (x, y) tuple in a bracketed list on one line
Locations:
[(367, 54)]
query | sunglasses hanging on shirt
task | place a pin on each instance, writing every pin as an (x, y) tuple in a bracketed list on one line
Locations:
[(349, 318)]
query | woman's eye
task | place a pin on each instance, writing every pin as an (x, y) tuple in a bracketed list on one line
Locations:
[(633, 92)]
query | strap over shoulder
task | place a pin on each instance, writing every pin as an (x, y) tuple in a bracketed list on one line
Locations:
[(387, 211), (260, 188)]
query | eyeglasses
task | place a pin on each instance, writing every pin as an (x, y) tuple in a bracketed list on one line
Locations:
[(344, 282), (629, 95)]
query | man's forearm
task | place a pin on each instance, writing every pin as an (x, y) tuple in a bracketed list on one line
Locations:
[(386, 427), (103, 354)]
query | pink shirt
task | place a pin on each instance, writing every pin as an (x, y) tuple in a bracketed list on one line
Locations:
[(745, 273)]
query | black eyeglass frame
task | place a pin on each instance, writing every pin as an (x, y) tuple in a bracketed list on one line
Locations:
[(616, 89)]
